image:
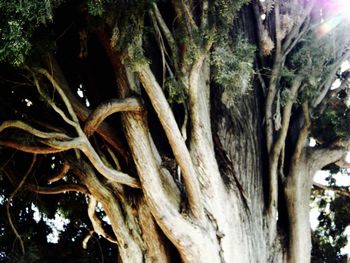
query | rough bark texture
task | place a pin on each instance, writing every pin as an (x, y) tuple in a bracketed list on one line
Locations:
[(200, 180)]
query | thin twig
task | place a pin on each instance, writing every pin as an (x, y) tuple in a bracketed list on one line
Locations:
[(11, 198), (61, 189), (65, 167)]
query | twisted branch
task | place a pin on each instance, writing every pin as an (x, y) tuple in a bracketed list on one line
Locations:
[(95, 221), (108, 108)]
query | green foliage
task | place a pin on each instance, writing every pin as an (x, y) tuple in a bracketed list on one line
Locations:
[(233, 66), (97, 7), (331, 125), (128, 31), (316, 56), (175, 91), (18, 22), (224, 14), (328, 239)]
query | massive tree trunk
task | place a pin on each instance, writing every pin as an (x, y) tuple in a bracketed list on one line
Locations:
[(222, 175)]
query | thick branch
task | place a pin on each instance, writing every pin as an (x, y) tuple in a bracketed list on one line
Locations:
[(175, 227), (343, 163), (287, 110), (278, 29), (29, 148), (320, 157), (127, 239), (344, 191), (111, 174), (175, 138), (184, 15), (104, 130), (106, 109), (302, 135), (271, 94), (276, 151)]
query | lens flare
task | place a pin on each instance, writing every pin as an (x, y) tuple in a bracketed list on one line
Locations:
[(334, 12)]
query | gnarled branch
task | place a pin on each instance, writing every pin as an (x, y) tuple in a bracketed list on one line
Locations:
[(95, 221), (104, 130), (65, 167), (25, 127), (84, 145), (106, 109)]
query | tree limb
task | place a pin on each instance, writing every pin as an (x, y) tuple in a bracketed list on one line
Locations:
[(344, 191), (278, 29), (61, 93), (106, 109), (11, 198), (29, 148), (277, 147), (184, 16), (168, 35), (327, 84), (174, 136), (320, 157), (302, 135), (53, 105), (271, 94), (288, 42), (65, 167), (104, 130), (22, 126), (126, 237), (84, 145), (95, 221), (61, 189)]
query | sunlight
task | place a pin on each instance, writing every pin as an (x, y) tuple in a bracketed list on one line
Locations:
[(335, 13), (57, 224), (338, 7)]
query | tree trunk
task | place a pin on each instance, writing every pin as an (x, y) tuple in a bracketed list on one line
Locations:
[(220, 178)]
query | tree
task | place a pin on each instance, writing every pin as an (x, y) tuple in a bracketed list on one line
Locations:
[(193, 123)]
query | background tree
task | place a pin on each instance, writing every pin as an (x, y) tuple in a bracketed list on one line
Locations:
[(187, 121)]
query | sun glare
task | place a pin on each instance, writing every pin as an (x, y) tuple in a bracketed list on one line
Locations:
[(333, 13)]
